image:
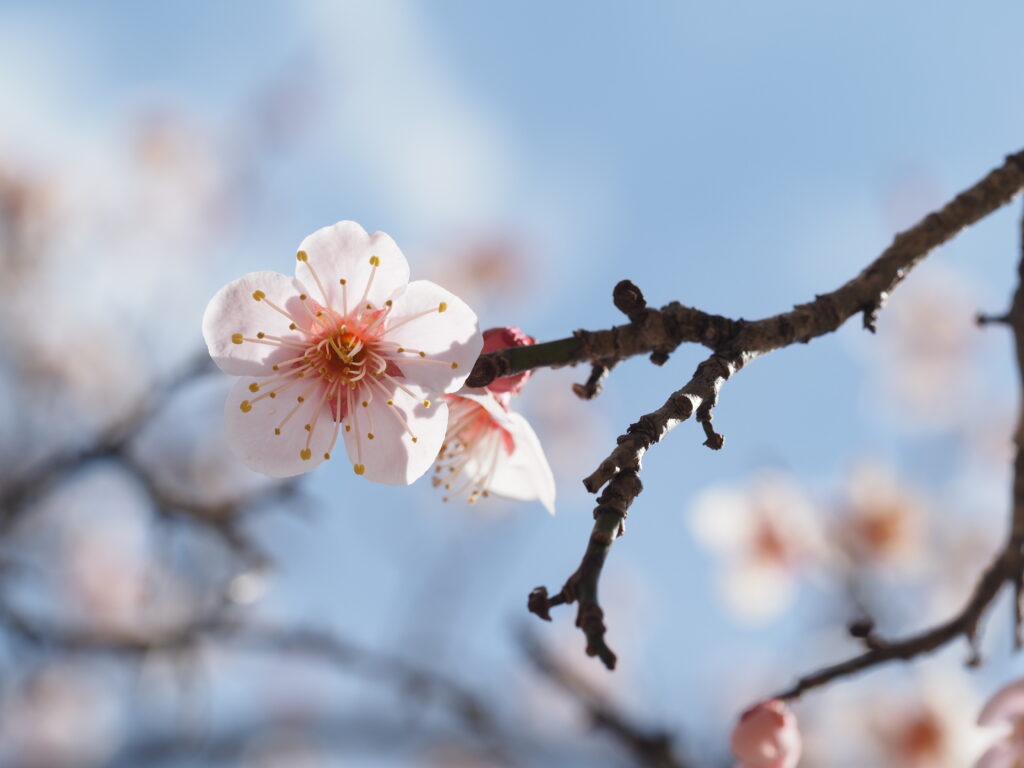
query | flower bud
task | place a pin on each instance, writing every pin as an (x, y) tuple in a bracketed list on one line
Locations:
[(766, 736), (503, 338)]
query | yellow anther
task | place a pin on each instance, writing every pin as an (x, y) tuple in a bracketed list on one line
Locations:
[(388, 303), (359, 468), (258, 295), (273, 395), (374, 261), (305, 454), (348, 427), (370, 435), (391, 402), (415, 439), (400, 349), (426, 403), (454, 366), (423, 354), (246, 406), (308, 427), (369, 306), (301, 399), (276, 367), (366, 404), (447, 486), (303, 297), (260, 335), (254, 387), (327, 455), (277, 430), (302, 256), (485, 494), (342, 280), (236, 338), (292, 326), (442, 306)]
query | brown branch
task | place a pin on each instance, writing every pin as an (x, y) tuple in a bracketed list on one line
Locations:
[(734, 343), (1007, 568)]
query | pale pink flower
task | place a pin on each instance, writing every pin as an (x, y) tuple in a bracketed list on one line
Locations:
[(1006, 707), (767, 736), (766, 536), (489, 449), (349, 346)]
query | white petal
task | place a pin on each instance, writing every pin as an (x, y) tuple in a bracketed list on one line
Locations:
[(391, 457), (343, 252), (251, 435), (233, 310), (451, 336), (525, 474)]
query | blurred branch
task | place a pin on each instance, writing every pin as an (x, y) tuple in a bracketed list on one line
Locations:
[(17, 494), (1006, 568), (734, 343), (651, 748)]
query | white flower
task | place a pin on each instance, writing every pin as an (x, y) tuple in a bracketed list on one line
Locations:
[(489, 449), (349, 346)]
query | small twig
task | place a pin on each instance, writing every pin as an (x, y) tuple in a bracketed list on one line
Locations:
[(592, 388)]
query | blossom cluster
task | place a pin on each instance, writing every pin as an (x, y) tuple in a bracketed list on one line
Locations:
[(351, 348)]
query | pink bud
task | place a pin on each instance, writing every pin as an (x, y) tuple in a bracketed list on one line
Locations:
[(767, 737), (503, 338)]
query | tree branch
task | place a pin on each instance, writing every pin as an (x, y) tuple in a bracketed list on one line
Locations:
[(1007, 567), (734, 343)]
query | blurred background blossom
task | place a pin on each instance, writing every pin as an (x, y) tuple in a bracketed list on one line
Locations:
[(162, 605)]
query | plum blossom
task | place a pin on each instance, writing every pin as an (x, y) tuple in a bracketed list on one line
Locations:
[(350, 347), (1006, 707), (489, 449), (766, 536), (766, 736)]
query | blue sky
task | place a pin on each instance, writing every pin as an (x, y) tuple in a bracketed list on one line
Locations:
[(739, 157)]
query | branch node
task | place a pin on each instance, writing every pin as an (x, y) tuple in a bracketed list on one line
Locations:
[(592, 388), (629, 300)]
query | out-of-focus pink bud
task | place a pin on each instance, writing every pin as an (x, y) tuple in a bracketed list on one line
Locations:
[(767, 736), (503, 338)]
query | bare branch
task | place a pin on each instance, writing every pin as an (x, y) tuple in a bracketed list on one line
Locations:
[(1007, 568), (734, 343)]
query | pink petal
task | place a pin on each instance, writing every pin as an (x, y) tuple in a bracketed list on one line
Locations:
[(1005, 705), (344, 252), (451, 336), (392, 457), (1005, 753), (233, 310), (251, 434)]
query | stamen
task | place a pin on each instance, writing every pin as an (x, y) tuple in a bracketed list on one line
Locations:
[(280, 311), (304, 258), (374, 263), (299, 401), (344, 296), (417, 316)]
